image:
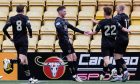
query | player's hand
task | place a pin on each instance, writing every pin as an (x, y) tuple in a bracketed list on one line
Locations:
[(94, 21), (88, 33), (129, 32), (126, 30)]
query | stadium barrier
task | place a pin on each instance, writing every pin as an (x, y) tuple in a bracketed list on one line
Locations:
[(48, 66)]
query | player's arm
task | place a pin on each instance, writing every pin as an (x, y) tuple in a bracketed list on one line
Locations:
[(126, 30), (98, 28), (74, 28), (127, 24), (122, 28), (7, 25), (95, 21), (29, 27), (78, 30), (94, 33)]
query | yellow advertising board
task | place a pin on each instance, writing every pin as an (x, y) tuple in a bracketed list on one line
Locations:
[(14, 74)]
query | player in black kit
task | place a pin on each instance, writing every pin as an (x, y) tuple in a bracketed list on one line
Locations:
[(121, 44), (19, 23), (108, 27), (123, 29), (62, 26)]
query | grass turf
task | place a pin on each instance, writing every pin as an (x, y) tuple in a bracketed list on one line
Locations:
[(68, 82)]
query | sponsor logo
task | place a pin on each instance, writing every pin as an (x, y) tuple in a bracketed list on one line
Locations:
[(96, 60), (91, 76), (53, 67)]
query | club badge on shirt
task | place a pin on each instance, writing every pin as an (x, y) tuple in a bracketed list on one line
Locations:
[(58, 23), (65, 26)]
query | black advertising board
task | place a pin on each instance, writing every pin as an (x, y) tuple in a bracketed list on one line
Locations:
[(50, 66)]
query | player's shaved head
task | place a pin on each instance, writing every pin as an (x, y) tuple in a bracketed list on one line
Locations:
[(121, 7), (107, 11), (20, 8)]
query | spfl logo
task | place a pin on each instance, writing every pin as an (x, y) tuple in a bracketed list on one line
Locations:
[(53, 67)]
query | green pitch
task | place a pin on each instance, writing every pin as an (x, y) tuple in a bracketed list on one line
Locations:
[(69, 82)]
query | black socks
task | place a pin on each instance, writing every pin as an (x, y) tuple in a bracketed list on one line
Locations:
[(27, 71), (120, 64), (75, 66), (124, 68), (72, 66), (25, 67), (13, 61), (110, 66), (105, 69)]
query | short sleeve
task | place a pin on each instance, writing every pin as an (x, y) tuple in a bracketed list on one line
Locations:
[(99, 26)]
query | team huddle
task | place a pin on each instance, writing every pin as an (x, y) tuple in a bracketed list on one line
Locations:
[(114, 42)]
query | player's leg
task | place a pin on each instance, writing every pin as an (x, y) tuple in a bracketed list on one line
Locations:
[(118, 67), (120, 63), (24, 64), (13, 61), (119, 51), (105, 52), (124, 67), (70, 63), (109, 65), (23, 57), (106, 62), (74, 57), (17, 46), (67, 52), (8, 63), (105, 69), (73, 66), (77, 78), (17, 60)]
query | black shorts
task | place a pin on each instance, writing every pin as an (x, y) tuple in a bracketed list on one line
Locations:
[(107, 50), (121, 46), (21, 47), (67, 48)]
